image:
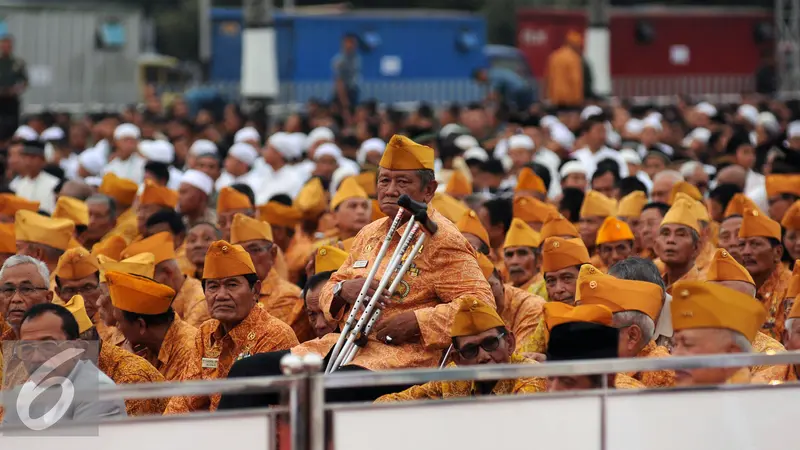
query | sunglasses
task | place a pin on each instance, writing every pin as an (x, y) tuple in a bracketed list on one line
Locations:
[(490, 344)]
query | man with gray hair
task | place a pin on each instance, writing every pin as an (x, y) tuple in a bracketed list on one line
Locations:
[(662, 185), (23, 283), (712, 319), (636, 306), (695, 174), (102, 219), (76, 189)]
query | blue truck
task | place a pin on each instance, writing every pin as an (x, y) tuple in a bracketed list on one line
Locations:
[(406, 55)]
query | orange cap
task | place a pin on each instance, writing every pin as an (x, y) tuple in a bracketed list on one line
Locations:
[(596, 288), (73, 209), (559, 253), (632, 204), (458, 185), (349, 188), (154, 194), (791, 220), (597, 204), (557, 313), (368, 182), (123, 191), (32, 227), (404, 154), (737, 205), (10, 204), (160, 245), (329, 258), (111, 246), (311, 200), (469, 223), (529, 181), (688, 189), (613, 230), (230, 199), (8, 240), (683, 212), (557, 225), (138, 295), (76, 263), (530, 209), (724, 268), (77, 306), (449, 206), (474, 317), (756, 224), (783, 184), (246, 228), (225, 260), (697, 304), (280, 215), (521, 235)]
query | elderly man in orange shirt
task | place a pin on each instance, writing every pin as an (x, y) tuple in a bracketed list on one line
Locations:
[(238, 328)]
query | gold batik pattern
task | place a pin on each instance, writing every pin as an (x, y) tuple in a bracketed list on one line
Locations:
[(522, 312), (771, 294), (658, 378), (124, 367), (190, 302), (283, 300)]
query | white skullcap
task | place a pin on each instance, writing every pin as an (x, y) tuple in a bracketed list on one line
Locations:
[(548, 121), (339, 175), (92, 161), (297, 142), (653, 122), (203, 147), (768, 120), (701, 135), (520, 141), (630, 156), (93, 181), (127, 130), (591, 110), (199, 180), (244, 152), (706, 109), (372, 145), (476, 153), (793, 130), (466, 142), (654, 115), (748, 113), (283, 144), (246, 134), (634, 126), (449, 129), (571, 167), (157, 151), (688, 168), (26, 133), (53, 134), (561, 134), (319, 134), (328, 149)]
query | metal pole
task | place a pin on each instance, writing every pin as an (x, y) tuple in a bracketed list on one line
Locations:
[(259, 84), (204, 29), (598, 43), (316, 411)]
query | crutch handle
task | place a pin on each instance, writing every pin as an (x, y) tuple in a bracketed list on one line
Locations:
[(420, 212)]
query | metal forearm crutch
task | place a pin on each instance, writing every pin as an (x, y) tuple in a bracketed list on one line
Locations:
[(351, 319), (368, 319)]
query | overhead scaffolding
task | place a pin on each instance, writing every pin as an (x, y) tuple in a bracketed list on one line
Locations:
[(787, 24)]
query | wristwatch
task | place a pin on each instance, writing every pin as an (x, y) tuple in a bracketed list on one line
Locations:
[(337, 289)]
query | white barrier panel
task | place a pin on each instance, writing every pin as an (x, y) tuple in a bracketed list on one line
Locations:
[(214, 432), (508, 423), (741, 419)]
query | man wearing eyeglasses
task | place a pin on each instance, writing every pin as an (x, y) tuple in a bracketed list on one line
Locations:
[(78, 273), (45, 332), (189, 303), (23, 284), (280, 298), (479, 336)]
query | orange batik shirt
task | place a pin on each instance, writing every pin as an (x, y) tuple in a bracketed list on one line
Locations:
[(692, 275), (190, 302), (124, 367), (771, 294), (766, 374), (216, 352), (445, 270), (177, 350), (522, 312), (283, 300), (658, 378)]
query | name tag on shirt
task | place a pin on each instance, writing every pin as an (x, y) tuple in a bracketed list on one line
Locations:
[(360, 264), (210, 363)]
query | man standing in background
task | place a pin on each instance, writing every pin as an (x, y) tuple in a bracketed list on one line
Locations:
[(346, 74), (564, 78), (13, 81)]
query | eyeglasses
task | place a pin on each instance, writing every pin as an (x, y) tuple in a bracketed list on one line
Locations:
[(24, 291), (71, 292), (26, 350), (490, 344), (256, 249)]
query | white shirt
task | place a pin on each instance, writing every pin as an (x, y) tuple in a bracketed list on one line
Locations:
[(70, 166), (37, 189), (755, 188), (549, 159), (589, 160), (131, 168), (285, 180), (226, 179)]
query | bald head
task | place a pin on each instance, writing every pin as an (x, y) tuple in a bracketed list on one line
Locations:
[(733, 174), (662, 185), (76, 189)]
